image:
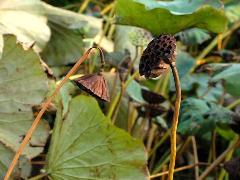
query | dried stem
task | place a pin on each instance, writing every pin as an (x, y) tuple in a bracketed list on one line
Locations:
[(194, 145), (220, 158), (176, 170), (44, 108), (174, 121)]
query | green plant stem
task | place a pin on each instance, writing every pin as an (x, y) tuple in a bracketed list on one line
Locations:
[(40, 176), (220, 158), (84, 6), (108, 23), (151, 137), (164, 86), (194, 145), (174, 121), (223, 172), (162, 140), (183, 146), (111, 31), (234, 104), (215, 41), (117, 97), (119, 100), (176, 170), (166, 159), (107, 8)]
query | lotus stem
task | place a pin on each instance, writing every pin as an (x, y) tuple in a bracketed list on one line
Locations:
[(174, 121)]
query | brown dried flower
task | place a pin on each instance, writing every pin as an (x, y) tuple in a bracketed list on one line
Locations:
[(94, 84), (158, 56)]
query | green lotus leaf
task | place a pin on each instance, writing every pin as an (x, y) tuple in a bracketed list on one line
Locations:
[(86, 145), (172, 17)]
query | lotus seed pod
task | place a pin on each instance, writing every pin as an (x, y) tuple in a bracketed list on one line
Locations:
[(94, 84), (140, 37), (152, 97), (157, 57)]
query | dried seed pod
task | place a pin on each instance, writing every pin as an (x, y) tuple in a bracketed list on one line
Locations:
[(152, 97), (94, 84), (158, 56)]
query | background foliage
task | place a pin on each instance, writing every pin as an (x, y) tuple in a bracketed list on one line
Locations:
[(81, 137)]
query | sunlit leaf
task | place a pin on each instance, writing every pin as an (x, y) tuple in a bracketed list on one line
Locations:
[(171, 17), (28, 19), (18, 17)]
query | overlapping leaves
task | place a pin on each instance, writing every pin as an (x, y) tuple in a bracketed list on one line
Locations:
[(197, 117), (23, 85)]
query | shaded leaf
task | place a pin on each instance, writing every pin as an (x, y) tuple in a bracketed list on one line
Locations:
[(88, 146), (184, 63), (170, 17), (134, 90), (65, 46), (230, 73), (23, 84), (197, 117), (193, 36), (68, 30), (200, 83)]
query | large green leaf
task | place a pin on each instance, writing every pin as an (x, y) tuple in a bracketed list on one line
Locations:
[(23, 84), (198, 117), (230, 73), (86, 145), (172, 17)]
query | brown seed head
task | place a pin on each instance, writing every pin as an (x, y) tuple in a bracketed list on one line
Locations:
[(157, 57), (152, 97), (94, 84)]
